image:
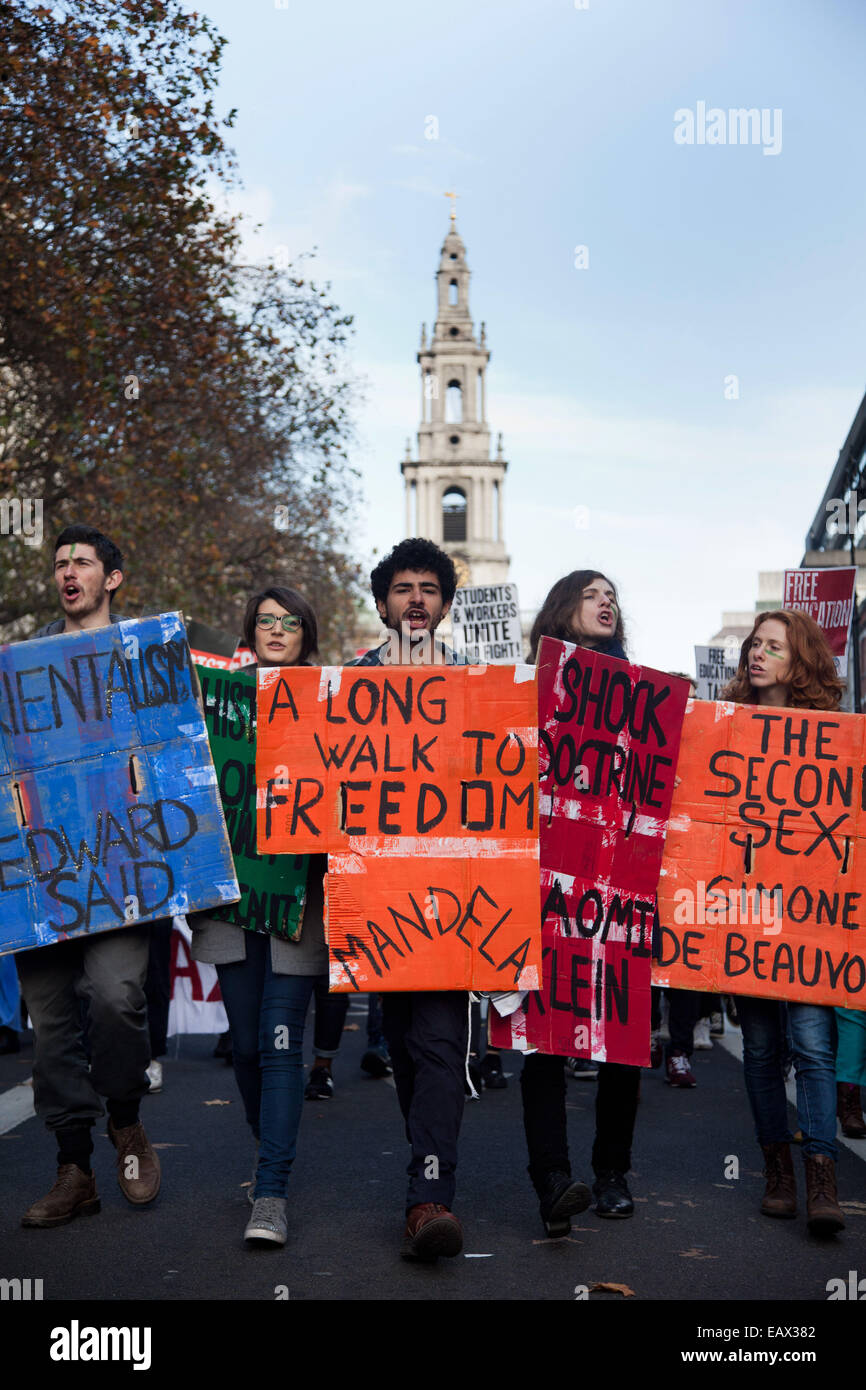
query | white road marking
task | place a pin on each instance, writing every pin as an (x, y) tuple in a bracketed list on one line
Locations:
[(16, 1106)]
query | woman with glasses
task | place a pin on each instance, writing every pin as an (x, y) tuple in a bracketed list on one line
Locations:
[(267, 981)]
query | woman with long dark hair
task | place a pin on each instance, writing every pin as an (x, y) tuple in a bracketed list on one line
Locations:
[(582, 607), (266, 979), (786, 663)]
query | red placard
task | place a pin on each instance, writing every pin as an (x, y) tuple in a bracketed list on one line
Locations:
[(609, 736)]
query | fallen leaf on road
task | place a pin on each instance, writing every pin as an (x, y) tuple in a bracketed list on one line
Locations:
[(612, 1288), (664, 1204), (216, 1102), (169, 1146), (563, 1240), (697, 1255), (351, 1028)]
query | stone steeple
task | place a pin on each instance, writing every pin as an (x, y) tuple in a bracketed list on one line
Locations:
[(454, 490)]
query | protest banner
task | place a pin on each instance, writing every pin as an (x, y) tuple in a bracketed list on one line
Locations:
[(761, 888), (827, 595), (211, 647), (420, 783), (714, 667), (609, 736), (109, 813), (485, 624), (272, 886), (196, 1003)]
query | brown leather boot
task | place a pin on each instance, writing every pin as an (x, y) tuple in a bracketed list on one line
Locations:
[(780, 1198), (73, 1194), (138, 1171), (849, 1111), (823, 1216)]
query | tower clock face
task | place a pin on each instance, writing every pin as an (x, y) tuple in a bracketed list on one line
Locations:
[(462, 567)]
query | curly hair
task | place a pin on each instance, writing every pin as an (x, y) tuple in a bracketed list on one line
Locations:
[(814, 683), (417, 555), (556, 615)]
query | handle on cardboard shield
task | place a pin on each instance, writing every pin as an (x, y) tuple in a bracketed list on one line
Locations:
[(20, 813), (136, 776)]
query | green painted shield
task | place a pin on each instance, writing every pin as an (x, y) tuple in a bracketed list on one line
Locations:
[(272, 885)]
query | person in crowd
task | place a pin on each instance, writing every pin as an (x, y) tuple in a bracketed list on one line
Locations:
[(427, 1032), (582, 607), (851, 1071), (157, 992), (106, 970), (375, 1061), (266, 979), (330, 1018), (785, 662), (10, 1006)]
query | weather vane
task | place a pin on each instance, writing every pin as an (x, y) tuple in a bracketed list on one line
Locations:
[(453, 197)]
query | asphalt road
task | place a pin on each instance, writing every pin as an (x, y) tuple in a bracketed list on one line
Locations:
[(696, 1235)]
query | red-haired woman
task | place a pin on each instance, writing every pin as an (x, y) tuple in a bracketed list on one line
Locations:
[(582, 607), (785, 662)]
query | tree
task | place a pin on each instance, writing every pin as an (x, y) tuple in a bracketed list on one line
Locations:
[(149, 382)]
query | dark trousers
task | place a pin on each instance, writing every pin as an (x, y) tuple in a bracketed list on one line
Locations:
[(427, 1036), (542, 1083), (331, 1010), (157, 986), (106, 973)]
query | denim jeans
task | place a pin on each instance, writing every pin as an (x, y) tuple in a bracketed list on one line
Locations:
[(266, 1014), (813, 1034)]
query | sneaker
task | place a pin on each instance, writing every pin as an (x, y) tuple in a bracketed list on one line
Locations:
[(656, 1051), (268, 1221), (679, 1073), (376, 1061), (717, 1025), (703, 1041), (581, 1068), (320, 1086), (431, 1230), (73, 1194), (154, 1077), (613, 1198), (492, 1074)]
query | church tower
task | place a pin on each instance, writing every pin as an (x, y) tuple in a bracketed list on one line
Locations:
[(454, 490)]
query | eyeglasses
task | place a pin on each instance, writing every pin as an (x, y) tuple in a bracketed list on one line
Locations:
[(290, 621)]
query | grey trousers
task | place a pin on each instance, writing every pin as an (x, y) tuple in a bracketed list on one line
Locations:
[(106, 972)]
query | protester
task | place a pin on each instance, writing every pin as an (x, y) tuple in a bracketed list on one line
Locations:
[(106, 971), (785, 662), (583, 607), (851, 1071), (266, 979), (428, 1031)]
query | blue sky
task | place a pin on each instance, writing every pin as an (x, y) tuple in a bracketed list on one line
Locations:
[(556, 127)]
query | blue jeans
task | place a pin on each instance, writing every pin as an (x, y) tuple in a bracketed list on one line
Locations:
[(813, 1035), (266, 1015)]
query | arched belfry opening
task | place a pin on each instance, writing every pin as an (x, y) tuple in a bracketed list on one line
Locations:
[(454, 509)]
